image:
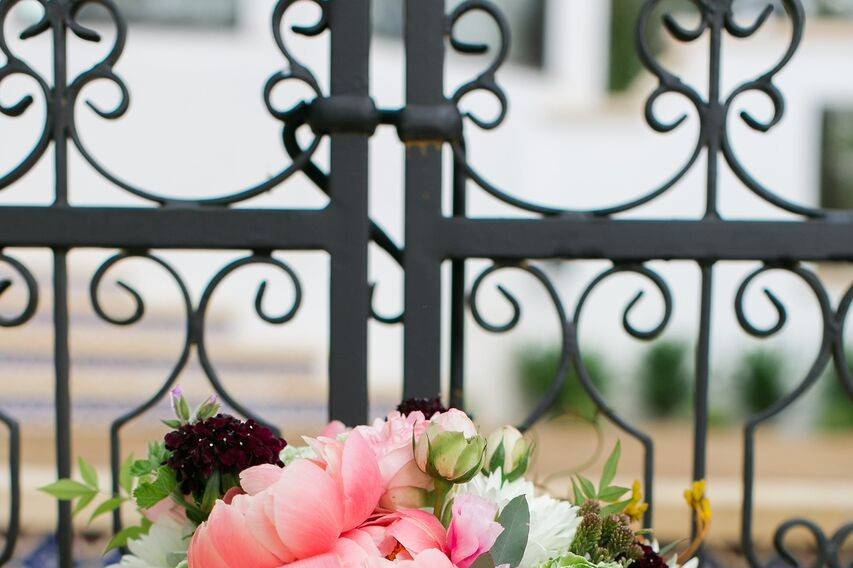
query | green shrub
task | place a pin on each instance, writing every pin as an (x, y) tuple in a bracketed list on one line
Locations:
[(836, 404), (759, 378), (664, 379), (536, 368)]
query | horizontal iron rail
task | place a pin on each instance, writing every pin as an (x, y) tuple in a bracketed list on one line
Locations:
[(638, 240), (556, 237), (168, 228)]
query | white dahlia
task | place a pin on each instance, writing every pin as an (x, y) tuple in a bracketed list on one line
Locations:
[(165, 545)]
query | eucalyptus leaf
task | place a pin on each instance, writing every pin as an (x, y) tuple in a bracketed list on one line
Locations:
[(484, 561), (510, 545)]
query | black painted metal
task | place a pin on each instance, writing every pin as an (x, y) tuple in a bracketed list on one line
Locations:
[(429, 123)]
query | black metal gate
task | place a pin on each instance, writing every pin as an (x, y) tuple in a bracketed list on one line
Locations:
[(429, 123)]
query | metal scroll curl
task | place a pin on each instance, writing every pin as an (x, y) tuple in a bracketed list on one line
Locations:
[(567, 333), (765, 85), (12, 426), (827, 548), (16, 66), (486, 81), (104, 70), (138, 313), (570, 354), (201, 315)]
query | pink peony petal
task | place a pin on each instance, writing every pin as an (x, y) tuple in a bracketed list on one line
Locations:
[(361, 479), (333, 429), (417, 531), (234, 542), (260, 525), (260, 477), (308, 509), (202, 553)]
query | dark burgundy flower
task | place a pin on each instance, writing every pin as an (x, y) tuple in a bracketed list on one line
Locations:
[(650, 559), (221, 443), (428, 406)]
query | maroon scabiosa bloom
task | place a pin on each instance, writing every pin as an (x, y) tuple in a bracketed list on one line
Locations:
[(428, 406), (650, 559), (220, 443)]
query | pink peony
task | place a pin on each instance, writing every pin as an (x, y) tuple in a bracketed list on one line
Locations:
[(473, 530), (406, 486), (298, 513)]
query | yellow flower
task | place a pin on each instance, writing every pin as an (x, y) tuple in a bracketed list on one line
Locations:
[(698, 501), (636, 508)]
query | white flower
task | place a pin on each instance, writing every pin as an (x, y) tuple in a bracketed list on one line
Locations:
[(165, 545), (553, 523)]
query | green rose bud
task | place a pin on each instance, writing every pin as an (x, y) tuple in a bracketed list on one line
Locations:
[(449, 455), (509, 451)]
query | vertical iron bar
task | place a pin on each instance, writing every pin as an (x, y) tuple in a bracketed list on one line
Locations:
[(700, 396), (713, 120), (349, 21), (457, 299), (62, 359), (424, 31)]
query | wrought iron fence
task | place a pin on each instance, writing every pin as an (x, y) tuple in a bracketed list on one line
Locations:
[(429, 122)]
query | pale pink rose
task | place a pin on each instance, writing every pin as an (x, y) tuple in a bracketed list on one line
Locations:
[(473, 530), (294, 515), (406, 486), (455, 421), (166, 508)]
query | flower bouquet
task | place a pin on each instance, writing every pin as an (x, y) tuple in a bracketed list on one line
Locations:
[(420, 489)]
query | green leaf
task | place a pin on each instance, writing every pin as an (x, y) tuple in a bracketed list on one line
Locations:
[(614, 508), (484, 561), (107, 506), (497, 460), (211, 492), (149, 494), (66, 489), (579, 498), (140, 468), (173, 423), (610, 467), (184, 410), (587, 487), (124, 535), (510, 545), (125, 475), (88, 473), (84, 502), (612, 493)]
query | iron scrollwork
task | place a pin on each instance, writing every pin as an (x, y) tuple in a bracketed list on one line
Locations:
[(570, 350), (12, 425), (194, 333), (828, 548)]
